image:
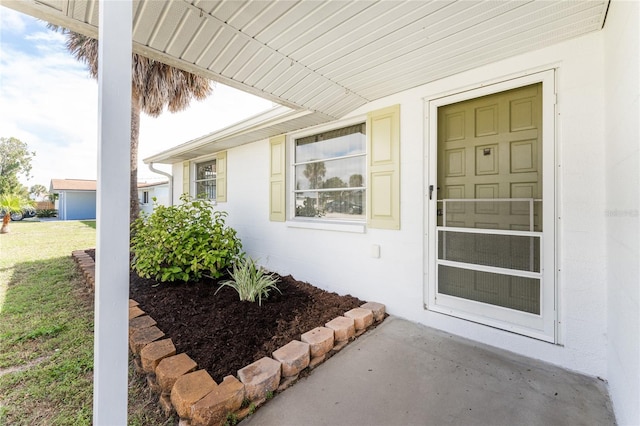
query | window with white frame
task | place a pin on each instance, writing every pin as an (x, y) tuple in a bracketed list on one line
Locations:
[(145, 197), (205, 179), (330, 174)]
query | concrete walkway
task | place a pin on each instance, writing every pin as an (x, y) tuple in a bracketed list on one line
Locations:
[(402, 373)]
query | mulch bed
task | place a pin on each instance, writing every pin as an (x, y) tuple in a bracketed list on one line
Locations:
[(222, 334)]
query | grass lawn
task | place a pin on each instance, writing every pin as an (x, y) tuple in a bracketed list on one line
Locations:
[(46, 330)]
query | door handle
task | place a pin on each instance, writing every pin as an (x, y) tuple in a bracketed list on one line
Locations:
[(431, 188)]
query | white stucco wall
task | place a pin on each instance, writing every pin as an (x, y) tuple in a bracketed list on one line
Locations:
[(341, 262), (178, 179), (160, 193), (146, 208), (622, 136)]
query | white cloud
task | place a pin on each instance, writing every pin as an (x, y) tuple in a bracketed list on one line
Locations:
[(48, 101), (46, 36), (50, 104), (11, 20)]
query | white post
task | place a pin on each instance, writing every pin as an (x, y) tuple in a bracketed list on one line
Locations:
[(110, 383)]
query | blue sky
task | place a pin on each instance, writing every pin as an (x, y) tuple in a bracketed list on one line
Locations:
[(48, 100)]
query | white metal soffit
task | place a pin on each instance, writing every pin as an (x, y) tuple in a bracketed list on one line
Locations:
[(331, 57), (275, 121)]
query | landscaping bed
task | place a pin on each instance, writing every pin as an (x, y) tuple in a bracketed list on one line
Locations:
[(222, 334)]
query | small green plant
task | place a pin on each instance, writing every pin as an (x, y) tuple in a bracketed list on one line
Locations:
[(184, 242), (46, 212), (252, 408), (12, 203), (231, 420), (269, 395), (250, 281)]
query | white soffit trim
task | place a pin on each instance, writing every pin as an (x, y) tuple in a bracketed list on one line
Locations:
[(272, 122)]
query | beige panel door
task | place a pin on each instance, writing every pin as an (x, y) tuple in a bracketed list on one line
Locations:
[(490, 148)]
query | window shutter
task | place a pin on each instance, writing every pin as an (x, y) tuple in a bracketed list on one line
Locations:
[(221, 177), (277, 203), (383, 147), (186, 178)]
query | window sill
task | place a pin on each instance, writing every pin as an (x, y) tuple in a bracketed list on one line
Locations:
[(357, 227)]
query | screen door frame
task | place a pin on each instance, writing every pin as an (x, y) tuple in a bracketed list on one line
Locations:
[(544, 325)]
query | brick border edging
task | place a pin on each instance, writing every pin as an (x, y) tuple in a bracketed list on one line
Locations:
[(195, 396)]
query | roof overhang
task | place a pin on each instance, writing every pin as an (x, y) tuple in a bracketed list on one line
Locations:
[(272, 122), (331, 57), (57, 185), (152, 185)]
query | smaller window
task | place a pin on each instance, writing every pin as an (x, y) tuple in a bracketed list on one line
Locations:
[(330, 170), (145, 197), (206, 180)]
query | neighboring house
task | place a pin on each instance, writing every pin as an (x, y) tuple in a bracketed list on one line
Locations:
[(472, 165), (76, 198), (148, 191)]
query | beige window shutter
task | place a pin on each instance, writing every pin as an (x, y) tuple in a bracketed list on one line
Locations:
[(383, 147), (221, 177), (277, 204), (186, 178)]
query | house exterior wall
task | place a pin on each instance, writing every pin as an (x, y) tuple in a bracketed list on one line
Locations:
[(77, 205), (342, 261), (622, 153), (160, 192), (178, 180), (148, 207)]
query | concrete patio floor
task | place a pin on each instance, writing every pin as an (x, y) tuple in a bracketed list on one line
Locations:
[(402, 373)]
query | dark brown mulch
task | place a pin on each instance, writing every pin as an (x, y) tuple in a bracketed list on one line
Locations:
[(221, 333)]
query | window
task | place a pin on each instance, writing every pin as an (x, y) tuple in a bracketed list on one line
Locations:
[(206, 180), (145, 197), (330, 174), (349, 173)]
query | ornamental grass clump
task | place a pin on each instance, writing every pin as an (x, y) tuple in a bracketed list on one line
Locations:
[(250, 281), (184, 242)]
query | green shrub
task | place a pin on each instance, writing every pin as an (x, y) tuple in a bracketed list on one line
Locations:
[(46, 213), (250, 281), (184, 242), (231, 420)]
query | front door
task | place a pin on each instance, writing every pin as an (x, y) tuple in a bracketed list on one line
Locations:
[(488, 234)]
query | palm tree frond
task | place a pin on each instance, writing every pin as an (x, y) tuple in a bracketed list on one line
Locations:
[(154, 86), (14, 203)]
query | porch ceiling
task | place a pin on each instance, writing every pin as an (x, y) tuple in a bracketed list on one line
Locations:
[(330, 57)]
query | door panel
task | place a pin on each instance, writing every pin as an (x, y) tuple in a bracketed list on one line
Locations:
[(492, 140), (519, 293), (490, 148)]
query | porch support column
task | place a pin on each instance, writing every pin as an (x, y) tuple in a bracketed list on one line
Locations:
[(110, 384)]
